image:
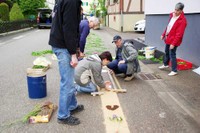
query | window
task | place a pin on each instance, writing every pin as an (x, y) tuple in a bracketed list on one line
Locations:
[(85, 4)]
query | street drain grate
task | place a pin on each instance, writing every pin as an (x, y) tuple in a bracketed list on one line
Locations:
[(149, 76)]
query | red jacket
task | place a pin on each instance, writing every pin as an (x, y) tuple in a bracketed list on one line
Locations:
[(176, 33)]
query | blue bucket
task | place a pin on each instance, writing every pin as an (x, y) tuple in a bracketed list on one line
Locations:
[(36, 86)]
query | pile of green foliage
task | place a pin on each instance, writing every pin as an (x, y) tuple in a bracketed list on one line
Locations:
[(159, 60), (40, 53), (94, 45)]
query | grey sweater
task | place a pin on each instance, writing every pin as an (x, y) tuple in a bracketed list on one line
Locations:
[(88, 69)]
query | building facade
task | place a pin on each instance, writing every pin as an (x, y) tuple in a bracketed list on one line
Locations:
[(123, 14), (86, 5)]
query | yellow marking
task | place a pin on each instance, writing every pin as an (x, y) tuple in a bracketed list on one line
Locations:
[(110, 98)]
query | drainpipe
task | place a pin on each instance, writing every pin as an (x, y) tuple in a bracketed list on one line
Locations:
[(121, 15)]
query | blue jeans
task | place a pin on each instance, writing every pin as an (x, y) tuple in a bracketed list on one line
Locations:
[(90, 87), (122, 68), (67, 99), (170, 54)]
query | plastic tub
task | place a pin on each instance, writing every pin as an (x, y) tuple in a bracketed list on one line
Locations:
[(36, 86), (149, 52)]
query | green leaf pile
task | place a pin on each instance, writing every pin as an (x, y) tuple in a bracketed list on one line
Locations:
[(40, 53), (94, 45)]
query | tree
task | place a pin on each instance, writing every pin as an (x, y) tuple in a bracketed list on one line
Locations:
[(16, 13), (8, 2), (101, 8), (4, 12), (98, 8), (30, 7), (15, 1)]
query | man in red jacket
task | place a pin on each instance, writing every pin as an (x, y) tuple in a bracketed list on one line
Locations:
[(173, 36)]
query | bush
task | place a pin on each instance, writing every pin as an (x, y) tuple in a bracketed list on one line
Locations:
[(9, 3), (16, 13), (4, 12)]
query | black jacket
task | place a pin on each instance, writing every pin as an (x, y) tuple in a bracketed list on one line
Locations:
[(65, 25)]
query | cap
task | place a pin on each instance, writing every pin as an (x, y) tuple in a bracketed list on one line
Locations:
[(115, 38)]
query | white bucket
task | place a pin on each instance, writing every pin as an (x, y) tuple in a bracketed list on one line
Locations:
[(149, 52)]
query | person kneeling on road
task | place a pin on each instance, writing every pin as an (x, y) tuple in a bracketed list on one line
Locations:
[(88, 73), (126, 61)]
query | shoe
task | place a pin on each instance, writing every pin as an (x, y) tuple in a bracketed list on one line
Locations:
[(172, 73), (79, 108), (71, 120), (163, 67), (129, 78)]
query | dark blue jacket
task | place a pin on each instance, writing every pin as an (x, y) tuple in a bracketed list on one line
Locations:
[(65, 25), (84, 31)]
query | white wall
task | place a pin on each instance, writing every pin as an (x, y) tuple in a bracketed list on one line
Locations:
[(167, 6)]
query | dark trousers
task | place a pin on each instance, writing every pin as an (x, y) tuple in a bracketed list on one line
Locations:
[(117, 68), (170, 54)]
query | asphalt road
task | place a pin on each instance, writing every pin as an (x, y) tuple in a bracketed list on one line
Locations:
[(164, 105)]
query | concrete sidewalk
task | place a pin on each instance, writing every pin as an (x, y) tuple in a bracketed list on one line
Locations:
[(180, 93)]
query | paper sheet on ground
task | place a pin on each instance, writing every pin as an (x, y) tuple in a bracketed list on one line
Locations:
[(197, 70)]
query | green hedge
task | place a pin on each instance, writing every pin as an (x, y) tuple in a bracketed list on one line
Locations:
[(4, 12), (7, 26)]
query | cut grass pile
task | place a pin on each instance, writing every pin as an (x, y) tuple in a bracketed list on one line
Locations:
[(159, 60), (94, 45)]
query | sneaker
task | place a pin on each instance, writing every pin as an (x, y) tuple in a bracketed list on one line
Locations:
[(71, 120), (129, 78), (163, 67), (79, 108), (172, 73)]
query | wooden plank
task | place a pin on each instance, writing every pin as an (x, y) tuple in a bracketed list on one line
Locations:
[(44, 115), (111, 78), (97, 93), (116, 86), (119, 90), (116, 81)]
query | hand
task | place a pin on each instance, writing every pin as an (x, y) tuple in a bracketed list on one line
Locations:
[(111, 71), (74, 60), (82, 54), (162, 37), (121, 62), (108, 85), (171, 47), (78, 52)]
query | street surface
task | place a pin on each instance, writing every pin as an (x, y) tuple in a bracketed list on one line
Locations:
[(166, 105)]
